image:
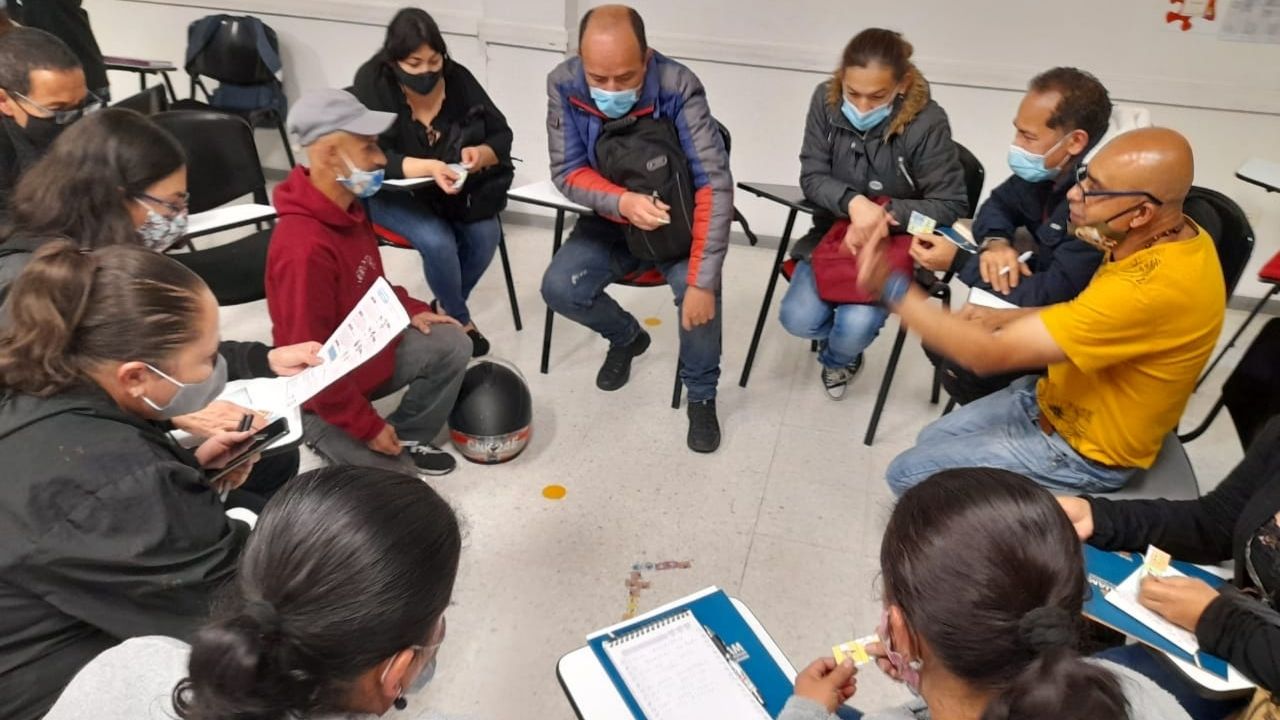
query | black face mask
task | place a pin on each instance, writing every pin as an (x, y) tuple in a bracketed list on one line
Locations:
[(41, 132), (422, 83)]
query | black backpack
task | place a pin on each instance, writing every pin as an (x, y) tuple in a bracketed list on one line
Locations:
[(644, 155)]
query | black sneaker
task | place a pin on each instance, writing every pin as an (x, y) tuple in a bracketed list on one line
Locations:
[(704, 427), (616, 370), (479, 343), (836, 380), (431, 460)]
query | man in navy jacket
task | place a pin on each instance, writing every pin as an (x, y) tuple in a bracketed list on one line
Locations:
[(1061, 118)]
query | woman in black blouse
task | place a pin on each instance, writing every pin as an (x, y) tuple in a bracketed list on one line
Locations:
[(443, 118), (1237, 521)]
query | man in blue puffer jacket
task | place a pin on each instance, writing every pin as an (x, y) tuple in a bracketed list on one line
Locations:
[(616, 75)]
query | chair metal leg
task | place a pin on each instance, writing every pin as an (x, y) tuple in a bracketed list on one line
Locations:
[(168, 84), (885, 384), (546, 329), (1217, 407), (951, 405), (813, 346), (679, 388), (506, 272), (937, 369), (746, 229), (774, 272), (1231, 343), (284, 137)]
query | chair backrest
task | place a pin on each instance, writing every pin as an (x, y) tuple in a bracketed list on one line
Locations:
[(1223, 219), (1251, 393), (725, 136), (975, 176), (232, 54), (222, 159), (148, 102)]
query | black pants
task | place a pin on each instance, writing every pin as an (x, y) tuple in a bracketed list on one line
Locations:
[(269, 475), (964, 385)]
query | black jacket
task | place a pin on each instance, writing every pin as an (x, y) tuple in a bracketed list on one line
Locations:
[(17, 155), (467, 117), (1062, 265), (107, 531), (1215, 528)]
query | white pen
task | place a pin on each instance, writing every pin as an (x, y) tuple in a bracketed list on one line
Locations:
[(1021, 259)]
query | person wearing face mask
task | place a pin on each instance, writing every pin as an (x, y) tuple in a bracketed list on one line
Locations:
[(337, 611), (872, 133), (616, 75), (443, 117), (322, 260), (42, 91), (113, 178), (1122, 356), (1063, 116), (108, 528), (990, 548)]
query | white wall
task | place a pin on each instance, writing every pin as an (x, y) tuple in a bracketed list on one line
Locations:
[(760, 61)]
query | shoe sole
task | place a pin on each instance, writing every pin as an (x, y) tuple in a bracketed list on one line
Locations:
[(436, 473)]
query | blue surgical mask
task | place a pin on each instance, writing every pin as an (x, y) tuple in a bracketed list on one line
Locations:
[(1030, 166), (615, 104), (361, 183), (423, 679), (863, 122)]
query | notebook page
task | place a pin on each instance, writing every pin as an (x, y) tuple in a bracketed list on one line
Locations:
[(675, 672)]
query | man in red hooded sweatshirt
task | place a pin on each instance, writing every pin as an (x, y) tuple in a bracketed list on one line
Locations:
[(322, 260)]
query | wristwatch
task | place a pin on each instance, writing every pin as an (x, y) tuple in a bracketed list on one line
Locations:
[(895, 289), (989, 241)]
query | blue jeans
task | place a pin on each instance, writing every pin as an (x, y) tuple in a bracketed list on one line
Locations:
[(846, 329), (454, 254), (1139, 658), (1001, 431), (596, 255)]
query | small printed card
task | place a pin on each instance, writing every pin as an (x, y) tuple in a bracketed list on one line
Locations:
[(1156, 561), (920, 224), (855, 650)]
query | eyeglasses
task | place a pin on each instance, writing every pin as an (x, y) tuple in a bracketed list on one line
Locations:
[(184, 200), (1082, 175), (92, 103)]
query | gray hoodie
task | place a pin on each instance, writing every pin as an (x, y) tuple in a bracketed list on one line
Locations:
[(1147, 701), (916, 163)]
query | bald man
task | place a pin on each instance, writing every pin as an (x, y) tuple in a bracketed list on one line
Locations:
[(617, 76), (1122, 357)]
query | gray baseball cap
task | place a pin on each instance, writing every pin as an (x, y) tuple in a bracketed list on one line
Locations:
[(321, 112)]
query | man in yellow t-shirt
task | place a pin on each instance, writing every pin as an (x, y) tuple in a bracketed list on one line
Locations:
[(1123, 356)]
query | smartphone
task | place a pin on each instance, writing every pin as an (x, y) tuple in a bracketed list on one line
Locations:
[(256, 443)]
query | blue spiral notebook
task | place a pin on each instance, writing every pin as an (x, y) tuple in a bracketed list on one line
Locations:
[(695, 658), (1105, 570)]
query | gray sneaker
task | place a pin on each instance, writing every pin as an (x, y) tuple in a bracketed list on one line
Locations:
[(836, 380)]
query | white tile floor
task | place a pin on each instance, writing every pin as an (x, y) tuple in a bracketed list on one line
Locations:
[(787, 515)]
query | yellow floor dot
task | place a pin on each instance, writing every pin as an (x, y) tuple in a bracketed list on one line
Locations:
[(652, 321), (553, 492)]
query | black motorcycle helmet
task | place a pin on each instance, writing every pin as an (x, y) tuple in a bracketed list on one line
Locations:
[(492, 419)]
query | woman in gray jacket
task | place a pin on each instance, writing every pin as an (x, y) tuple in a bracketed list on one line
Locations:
[(872, 133)]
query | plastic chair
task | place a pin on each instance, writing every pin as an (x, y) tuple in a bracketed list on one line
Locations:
[(232, 56), (149, 102), (396, 240), (1251, 394), (222, 166)]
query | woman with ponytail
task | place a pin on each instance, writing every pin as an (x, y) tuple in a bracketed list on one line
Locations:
[(983, 588), (108, 529), (876, 148), (337, 610)]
